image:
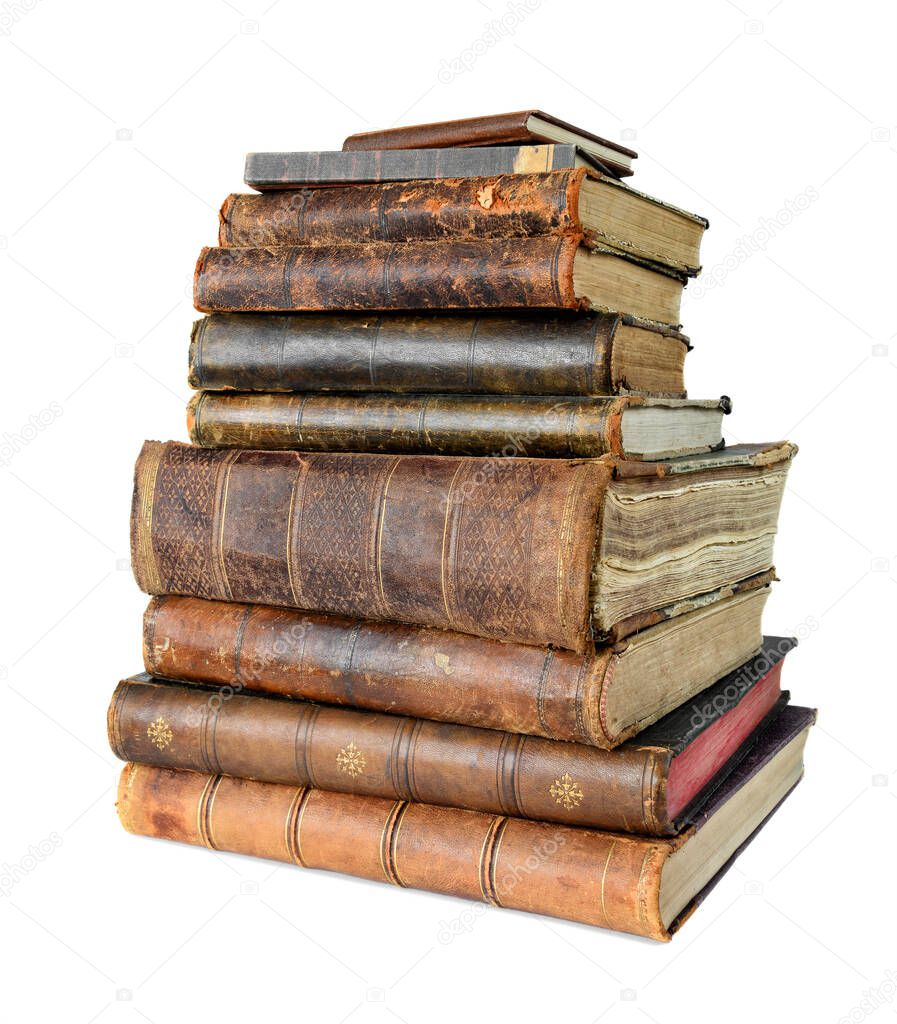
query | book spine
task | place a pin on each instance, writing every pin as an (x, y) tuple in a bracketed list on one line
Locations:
[(298, 170), (467, 274), (501, 548), (491, 354), (498, 207), (408, 670), (302, 744), (410, 424), (597, 878), (481, 131)]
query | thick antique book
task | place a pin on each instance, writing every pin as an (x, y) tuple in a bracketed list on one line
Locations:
[(523, 126), (644, 885), (266, 171), (648, 785), (538, 551), (542, 272), (601, 209), (599, 698), (631, 427), (488, 354)]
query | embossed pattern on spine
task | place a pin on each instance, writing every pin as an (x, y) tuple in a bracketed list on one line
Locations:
[(346, 750), (463, 544)]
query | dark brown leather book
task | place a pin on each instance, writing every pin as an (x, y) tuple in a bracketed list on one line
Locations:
[(498, 130), (600, 698), (489, 354), (647, 785), (542, 272), (266, 171), (646, 886), (503, 206), (631, 427), (539, 551)]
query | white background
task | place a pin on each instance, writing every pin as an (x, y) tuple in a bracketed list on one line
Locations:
[(125, 126)]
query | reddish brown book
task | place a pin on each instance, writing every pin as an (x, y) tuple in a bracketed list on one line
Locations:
[(646, 886), (526, 126), (599, 698), (539, 551), (496, 207), (541, 272), (648, 785)]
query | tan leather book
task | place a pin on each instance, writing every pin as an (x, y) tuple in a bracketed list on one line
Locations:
[(601, 209), (599, 698), (483, 354), (629, 426), (524, 126), (540, 272), (648, 785), (539, 551), (646, 886)]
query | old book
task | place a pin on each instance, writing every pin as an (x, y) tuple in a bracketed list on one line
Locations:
[(631, 427), (602, 209), (647, 785), (600, 698), (524, 126), (488, 354), (546, 271), (266, 171), (646, 886), (539, 551)]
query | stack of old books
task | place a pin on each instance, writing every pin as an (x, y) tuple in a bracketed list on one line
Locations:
[(455, 589)]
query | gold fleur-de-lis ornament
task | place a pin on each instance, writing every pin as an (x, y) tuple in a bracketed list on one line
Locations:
[(566, 791)]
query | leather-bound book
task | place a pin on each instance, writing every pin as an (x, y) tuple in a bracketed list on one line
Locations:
[(540, 272), (537, 551), (265, 171), (631, 427), (649, 785), (520, 126), (599, 698), (502, 206), (488, 354), (646, 886)]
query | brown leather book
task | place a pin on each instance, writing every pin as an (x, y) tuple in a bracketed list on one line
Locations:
[(488, 354), (539, 551), (542, 272), (600, 698), (648, 785), (501, 206), (526, 126), (646, 886), (631, 427)]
